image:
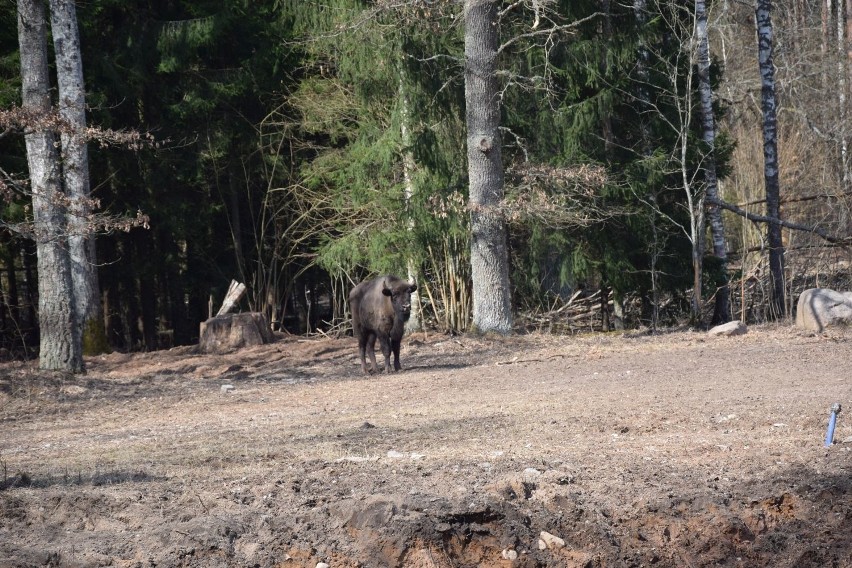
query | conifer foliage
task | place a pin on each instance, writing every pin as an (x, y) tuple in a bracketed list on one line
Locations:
[(512, 158)]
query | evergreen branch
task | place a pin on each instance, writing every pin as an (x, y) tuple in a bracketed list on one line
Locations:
[(549, 31), (786, 224)]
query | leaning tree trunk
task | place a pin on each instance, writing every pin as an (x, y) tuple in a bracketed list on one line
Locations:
[(489, 256), (770, 156), (708, 134), (60, 344), (75, 169)]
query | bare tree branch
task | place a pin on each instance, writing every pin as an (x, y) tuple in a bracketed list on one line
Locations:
[(549, 31), (787, 224)]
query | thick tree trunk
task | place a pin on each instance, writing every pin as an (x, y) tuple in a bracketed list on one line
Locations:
[(708, 134), (60, 344), (75, 170), (489, 255), (770, 155)]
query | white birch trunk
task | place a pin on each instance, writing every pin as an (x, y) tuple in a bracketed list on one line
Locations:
[(415, 321), (60, 345), (489, 255), (75, 169), (708, 135)]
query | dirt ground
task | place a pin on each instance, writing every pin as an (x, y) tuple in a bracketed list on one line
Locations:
[(631, 450)]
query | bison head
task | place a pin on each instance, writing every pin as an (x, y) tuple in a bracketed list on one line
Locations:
[(400, 297)]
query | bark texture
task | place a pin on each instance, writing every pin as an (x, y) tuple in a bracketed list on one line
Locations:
[(227, 332), (489, 256), (75, 170), (770, 156), (60, 347), (708, 135)]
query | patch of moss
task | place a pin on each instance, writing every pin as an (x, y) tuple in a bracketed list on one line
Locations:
[(94, 338)]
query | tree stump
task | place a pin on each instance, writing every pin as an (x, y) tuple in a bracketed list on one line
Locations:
[(233, 331)]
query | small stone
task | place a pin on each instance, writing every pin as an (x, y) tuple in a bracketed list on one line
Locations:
[(393, 454), (509, 554), (322, 565), (549, 541), (225, 389), (735, 327)]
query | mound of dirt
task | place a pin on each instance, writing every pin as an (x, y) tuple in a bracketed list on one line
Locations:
[(596, 451)]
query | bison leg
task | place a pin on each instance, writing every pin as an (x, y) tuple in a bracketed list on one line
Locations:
[(371, 351), (367, 343), (386, 351), (395, 345)]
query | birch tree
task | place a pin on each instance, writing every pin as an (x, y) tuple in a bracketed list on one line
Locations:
[(708, 135), (770, 156), (489, 257), (60, 347), (75, 172)]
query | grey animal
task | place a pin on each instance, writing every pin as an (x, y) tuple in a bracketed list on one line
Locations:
[(380, 308)]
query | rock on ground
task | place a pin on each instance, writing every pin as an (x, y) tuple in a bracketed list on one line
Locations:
[(819, 308), (735, 327)]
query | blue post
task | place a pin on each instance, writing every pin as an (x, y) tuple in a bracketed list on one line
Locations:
[(832, 421)]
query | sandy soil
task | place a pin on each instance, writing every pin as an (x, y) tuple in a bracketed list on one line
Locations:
[(674, 451)]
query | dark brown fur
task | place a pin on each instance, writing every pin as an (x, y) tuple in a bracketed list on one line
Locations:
[(380, 308)]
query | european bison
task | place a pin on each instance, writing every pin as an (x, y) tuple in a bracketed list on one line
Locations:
[(380, 308)]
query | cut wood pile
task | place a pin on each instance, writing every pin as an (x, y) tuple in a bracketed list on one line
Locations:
[(579, 314)]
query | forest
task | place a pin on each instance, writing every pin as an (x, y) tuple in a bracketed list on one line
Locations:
[(531, 164)]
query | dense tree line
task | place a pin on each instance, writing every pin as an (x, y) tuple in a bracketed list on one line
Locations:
[(511, 157)]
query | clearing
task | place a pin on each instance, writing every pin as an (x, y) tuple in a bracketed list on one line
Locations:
[(632, 450)]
